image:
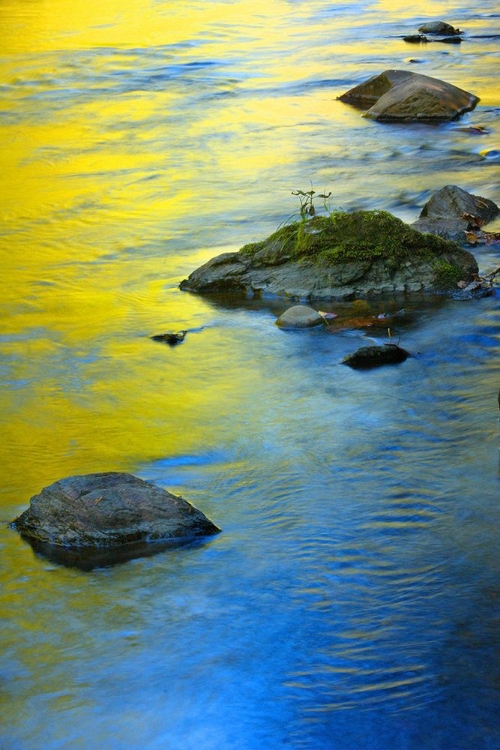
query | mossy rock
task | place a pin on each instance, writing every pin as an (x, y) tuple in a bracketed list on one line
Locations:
[(341, 256)]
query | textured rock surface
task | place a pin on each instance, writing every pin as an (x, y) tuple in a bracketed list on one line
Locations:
[(452, 211), (438, 27), (375, 356), (109, 510), (362, 254), (299, 316), (400, 95)]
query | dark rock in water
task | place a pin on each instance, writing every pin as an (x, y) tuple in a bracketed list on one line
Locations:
[(170, 338), (416, 39), (439, 27), (400, 95), (344, 256), (108, 512), (451, 201), (452, 211), (374, 356), (422, 39), (299, 316)]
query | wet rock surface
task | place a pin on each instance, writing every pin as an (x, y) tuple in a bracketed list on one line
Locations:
[(374, 356), (438, 27), (400, 95), (451, 212), (109, 511), (299, 316)]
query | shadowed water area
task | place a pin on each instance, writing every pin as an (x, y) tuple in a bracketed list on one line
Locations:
[(353, 598)]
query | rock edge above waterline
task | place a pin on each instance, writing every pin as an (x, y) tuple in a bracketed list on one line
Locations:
[(404, 96), (109, 510), (343, 256), (451, 212)]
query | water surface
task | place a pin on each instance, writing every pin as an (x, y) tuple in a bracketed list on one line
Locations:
[(352, 600)]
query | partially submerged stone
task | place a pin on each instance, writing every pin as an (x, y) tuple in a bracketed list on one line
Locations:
[(401, 95), (438, 27), (422, 39), (451, 212), (109, 511), (299, 316), (374, 356), (170, 338), (343, 256)]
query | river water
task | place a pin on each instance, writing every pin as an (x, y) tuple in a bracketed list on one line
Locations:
[(352, 601)]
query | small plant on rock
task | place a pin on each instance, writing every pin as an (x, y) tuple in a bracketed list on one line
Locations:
[(306, 199)]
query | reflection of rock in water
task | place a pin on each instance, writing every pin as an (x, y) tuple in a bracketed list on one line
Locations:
[(88, 558)]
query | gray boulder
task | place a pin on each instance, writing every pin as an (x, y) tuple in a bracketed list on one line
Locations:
[(400, 95), (299, 316), (438, 27), (344, 256), (109, 510), (451, 212)]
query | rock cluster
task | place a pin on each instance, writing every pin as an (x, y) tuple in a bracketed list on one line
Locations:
[(452, 212), (440, 31)]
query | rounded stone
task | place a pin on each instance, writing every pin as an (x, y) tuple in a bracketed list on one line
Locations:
[(438, 27), (299, 316)]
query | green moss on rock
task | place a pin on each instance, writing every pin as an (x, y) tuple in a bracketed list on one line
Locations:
[(365, 236), (363, 253), (447, 275), (284, 239)]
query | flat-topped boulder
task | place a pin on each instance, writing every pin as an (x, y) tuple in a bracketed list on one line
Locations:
[(401, 95), (109, 510), (342, 256), (451, 212)]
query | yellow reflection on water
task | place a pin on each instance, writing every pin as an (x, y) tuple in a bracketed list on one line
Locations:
[(101, 185)]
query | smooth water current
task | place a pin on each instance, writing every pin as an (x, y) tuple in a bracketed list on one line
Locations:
[(352, 601)]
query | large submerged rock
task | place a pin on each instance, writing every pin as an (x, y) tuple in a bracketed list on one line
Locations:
[(109, 510), (401, 95), (451, 212), (343, 256)]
